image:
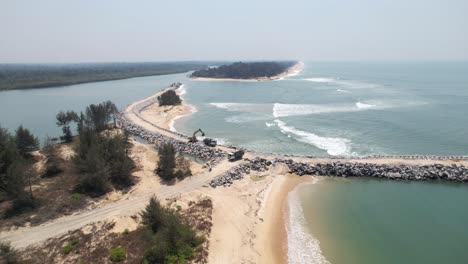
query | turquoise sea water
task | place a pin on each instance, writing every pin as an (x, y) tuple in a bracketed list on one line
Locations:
[(328, 109), (360, 221)]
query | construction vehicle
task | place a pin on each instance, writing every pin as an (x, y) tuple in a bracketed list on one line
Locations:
[(236, 155), (193, 138), (210, 142)]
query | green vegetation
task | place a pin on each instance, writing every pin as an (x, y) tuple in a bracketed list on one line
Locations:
[(76, 196), (67, 249), (102, 156), (167, 162), (53, 164), (172, 240), (169, 167), (15, 169), (25, 76), (63, 120), (169, 97), (71, 246), (8, 254), (245, 70), (118, 254), (26, 142)]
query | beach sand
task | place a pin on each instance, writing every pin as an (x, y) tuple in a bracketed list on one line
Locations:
[(248, 217), (293, 70)]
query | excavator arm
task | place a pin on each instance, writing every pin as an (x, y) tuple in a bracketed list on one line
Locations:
[(193, 139)]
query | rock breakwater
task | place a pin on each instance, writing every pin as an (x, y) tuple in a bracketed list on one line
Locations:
[(454, 172)]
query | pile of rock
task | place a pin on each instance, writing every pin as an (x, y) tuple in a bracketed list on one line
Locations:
[(238, 172), (197, 150), (390, 171)]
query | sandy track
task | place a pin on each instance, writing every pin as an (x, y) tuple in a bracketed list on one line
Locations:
[(26, 236)]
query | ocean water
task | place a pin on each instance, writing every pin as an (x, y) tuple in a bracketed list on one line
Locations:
[(328, 109), (367, 221), (340, 109)]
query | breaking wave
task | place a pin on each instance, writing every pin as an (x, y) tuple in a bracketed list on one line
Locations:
[(181, 90), (333, 146), (345, 83), (302, 246), (282, 110), (364, 106)]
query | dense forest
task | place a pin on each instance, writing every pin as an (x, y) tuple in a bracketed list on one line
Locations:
[(245, 70), (24, 76)]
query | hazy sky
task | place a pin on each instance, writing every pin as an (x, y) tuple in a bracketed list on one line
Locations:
[(154, 30)]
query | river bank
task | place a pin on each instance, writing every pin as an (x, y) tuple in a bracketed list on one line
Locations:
[(291, 71)]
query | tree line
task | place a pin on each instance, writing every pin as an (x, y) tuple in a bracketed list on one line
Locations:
[(245, 70), (16, 167), (102, 155), (25, 76)]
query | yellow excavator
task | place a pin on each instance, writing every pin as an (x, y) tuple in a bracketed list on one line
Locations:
[(193, 138), (208, 141)]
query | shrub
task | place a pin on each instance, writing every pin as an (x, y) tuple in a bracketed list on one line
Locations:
[(8, 254), (169, 97), (118, 254), (76, 196), (67, 249)]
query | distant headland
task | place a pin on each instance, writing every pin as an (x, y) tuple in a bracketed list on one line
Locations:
[(249, 71)]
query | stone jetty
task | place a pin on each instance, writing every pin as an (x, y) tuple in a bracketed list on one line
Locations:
[(334, 168), (197, 150), (454, 172)]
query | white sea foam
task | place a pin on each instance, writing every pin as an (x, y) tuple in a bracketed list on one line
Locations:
[(181, 90), (321, 80), (302, 246), (262, 109), (245, 118), (269, 124), (352, 84), (282, 110), (364, 106), (342, 91), (333, 146), (172, 122), (234, 106)]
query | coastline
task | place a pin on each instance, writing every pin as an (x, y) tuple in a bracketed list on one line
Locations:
[(275, 234), (291, 71), (165, 116)]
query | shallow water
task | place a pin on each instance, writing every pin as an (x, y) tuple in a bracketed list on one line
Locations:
[(359, 221)]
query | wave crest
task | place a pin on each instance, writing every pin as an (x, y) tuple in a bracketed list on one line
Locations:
[(302, 246), (333, 146)]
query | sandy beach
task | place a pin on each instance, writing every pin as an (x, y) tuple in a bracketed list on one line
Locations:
[(293, 70), (249, 216)]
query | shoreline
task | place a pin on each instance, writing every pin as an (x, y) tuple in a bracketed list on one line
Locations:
[(291, 71), (277, 218), (166, 116)]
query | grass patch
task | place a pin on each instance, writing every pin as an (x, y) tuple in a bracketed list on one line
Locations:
[(118, 254), (76, 196)]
